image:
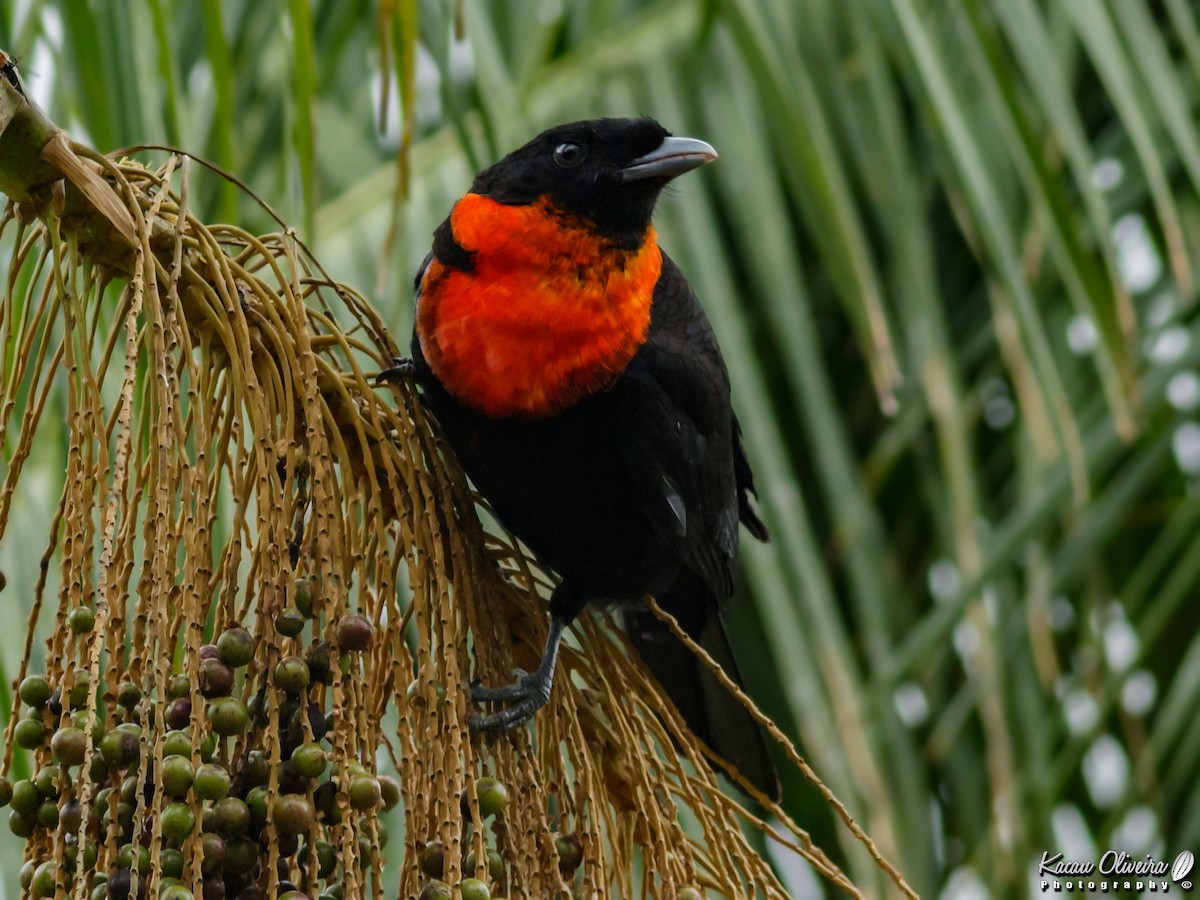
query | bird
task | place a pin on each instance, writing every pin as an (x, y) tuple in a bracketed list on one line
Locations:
[(576, 378)]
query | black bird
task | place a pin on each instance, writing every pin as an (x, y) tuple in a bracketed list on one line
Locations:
[(581, 387)]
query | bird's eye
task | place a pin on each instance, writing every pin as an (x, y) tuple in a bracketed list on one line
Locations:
[(568, 155)]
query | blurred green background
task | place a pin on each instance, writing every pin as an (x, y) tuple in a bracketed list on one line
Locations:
[(950, 251)]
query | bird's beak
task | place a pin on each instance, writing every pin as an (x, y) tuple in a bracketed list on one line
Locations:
[(674, 156)]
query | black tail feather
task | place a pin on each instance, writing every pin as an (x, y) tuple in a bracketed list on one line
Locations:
[(711, 712)]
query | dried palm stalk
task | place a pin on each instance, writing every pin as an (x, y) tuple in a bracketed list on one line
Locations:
[(230, 463)]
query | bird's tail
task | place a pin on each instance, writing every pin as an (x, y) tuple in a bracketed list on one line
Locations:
[(711, 712)]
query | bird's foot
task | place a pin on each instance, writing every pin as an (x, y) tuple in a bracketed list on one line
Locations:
[(527, 695), (518, 690), (401, 368)]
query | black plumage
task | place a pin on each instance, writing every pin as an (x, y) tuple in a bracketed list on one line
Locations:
[(640, 487)]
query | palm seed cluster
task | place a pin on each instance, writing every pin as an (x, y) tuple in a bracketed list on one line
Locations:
[(227, 793), (264, 591)]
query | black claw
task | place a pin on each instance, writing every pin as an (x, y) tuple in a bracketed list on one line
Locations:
[(521, 688), (400, 369), (509, 718), (498, 695), (529, 693)]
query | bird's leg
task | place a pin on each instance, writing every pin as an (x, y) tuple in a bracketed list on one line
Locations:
[(401, 368), (527, 694)]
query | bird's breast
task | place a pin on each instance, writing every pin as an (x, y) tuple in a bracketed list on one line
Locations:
[(549, 313)]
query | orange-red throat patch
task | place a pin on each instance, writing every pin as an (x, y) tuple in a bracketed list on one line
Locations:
[(550, 313)]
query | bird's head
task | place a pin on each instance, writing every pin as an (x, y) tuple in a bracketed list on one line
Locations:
[(557, 233), (607, 171)]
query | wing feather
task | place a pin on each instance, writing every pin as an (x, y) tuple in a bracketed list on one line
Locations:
[(684, 449)]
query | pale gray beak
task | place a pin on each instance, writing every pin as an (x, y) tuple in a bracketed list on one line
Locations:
[(674, 156)]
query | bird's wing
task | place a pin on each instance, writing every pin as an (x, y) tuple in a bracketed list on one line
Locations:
[(683, 445), (746, 491)]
